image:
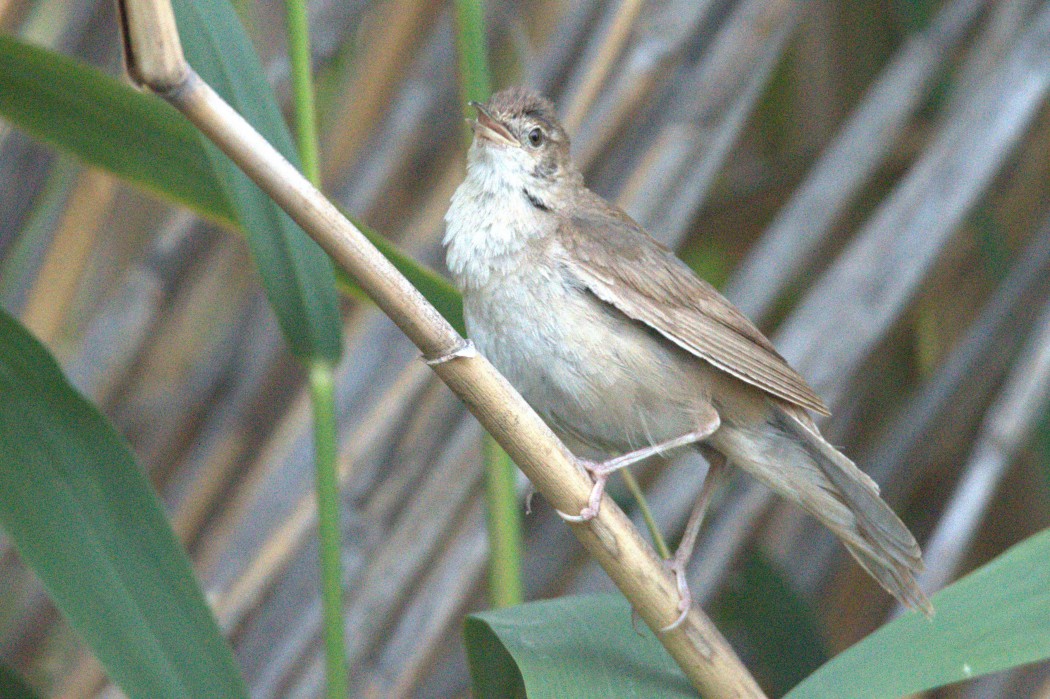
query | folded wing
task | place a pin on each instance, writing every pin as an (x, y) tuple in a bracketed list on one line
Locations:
[(625, 267)]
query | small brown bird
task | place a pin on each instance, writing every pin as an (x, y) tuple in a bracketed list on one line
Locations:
[(624, 351)]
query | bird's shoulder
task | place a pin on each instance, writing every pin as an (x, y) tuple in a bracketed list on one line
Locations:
[(609, 242), (626, 267)]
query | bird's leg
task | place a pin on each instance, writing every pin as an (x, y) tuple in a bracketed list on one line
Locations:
[(716, 471), (467, 349), (603, 469)]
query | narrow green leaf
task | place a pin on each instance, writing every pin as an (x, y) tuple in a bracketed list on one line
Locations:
[(475, 82), (326, 471), (140, 138), (322, 379), (635, 489), (12, 686), (503, 518), (296, 273), (996, 618), (85, 518), (569, 648), (303, 94), (108, 124)]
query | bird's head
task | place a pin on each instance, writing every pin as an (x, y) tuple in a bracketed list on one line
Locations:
[(519, 144)]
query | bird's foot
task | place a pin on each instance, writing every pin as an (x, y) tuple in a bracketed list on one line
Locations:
[(685, 597), (716, 473), (601, 472)]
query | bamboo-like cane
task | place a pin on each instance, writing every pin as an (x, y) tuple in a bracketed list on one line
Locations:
[(154, 59)]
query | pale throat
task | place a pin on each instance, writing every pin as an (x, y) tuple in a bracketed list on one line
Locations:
[(491, 217)]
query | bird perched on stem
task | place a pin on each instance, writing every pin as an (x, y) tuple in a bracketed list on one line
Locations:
[(626, 353)]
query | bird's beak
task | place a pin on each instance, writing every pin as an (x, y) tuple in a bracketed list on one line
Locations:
[(489, 128)]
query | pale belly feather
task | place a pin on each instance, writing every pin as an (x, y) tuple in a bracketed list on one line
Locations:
[(594, 376)]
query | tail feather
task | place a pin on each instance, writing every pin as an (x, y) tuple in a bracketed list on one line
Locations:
[(858, 490), (831, 487)]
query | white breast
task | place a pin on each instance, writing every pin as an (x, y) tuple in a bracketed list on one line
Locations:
[(489, 221)]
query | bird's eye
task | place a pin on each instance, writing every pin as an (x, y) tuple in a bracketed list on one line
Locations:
[(536, 137)]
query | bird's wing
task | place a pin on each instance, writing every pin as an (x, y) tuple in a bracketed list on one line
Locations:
[(624, 266)]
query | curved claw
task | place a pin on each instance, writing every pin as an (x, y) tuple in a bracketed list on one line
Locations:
[(584, 516), (681, 617), (528, 499)]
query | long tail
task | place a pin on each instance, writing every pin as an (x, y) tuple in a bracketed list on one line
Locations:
[(797, 463)]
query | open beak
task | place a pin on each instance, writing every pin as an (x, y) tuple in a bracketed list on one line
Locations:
[(488, 128)]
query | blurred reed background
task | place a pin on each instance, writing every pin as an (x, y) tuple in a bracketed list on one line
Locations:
[(867, 179)]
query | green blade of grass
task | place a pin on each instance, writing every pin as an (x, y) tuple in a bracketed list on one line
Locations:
[(298, 32), (326, 446), (109, 125), (296, 273), (86, 520), (474, 77), (322, 379), (506, 587), (996, 618)]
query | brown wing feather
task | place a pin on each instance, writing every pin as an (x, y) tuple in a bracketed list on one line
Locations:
[(624, 266)]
